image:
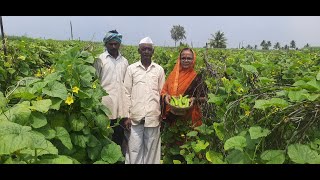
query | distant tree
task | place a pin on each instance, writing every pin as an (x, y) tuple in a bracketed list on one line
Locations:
[(286, 47), (293, 44), (268, 45), (307, 45), (177, 33), (255, 46), (276, 46), (264, 45), (249, 47), (218, 40)]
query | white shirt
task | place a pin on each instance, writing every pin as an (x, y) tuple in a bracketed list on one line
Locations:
[(111, 73), (143, 87)]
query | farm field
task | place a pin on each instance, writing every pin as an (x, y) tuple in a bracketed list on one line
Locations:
[(262, 106)]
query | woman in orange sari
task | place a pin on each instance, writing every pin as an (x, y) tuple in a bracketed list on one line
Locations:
[(185, 81)]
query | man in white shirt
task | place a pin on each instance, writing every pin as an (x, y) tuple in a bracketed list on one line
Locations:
[(111, 67), (143, 83)]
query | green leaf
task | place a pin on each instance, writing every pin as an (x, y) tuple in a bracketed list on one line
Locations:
[(315, 84), (89, 59), (200, 145), (281, 93), (297, 95), (318, 76), (56, 102), (14, 137), (204, 129), (41, 105), (38, 120), (47, 131), (37, 87), (56, 89), (278, 102), (3, 101), (77, 123), (192, 134), (219, 129), (273, 156), (58, 160), (237, 157), (20, 114), (300, 83), (79, 140), (236, 142), (189, 158), (249, 68), (111, 153), (215, 99), (58, 120), (266, 80), (52, 77), (93, 141), (94, 152), (101, 162), (176, 162), (214, 157), (258, 132), (63, 135), (312, 97), (263, 104), (101, 121), (302, 154), (42, 145)]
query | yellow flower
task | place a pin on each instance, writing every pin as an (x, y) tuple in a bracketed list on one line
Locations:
[(247, 113), (94, 86), (75, 89), (39, 98), (38, 74), (69, 100)]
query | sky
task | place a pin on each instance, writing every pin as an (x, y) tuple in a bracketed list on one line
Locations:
[(242, 30)]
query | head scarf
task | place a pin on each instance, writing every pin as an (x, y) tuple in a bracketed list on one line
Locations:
[(177, 83), (112, 35)]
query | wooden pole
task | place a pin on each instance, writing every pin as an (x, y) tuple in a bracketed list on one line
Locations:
[(3, 40), (71, 31)]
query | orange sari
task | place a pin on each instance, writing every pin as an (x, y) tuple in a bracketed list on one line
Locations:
[(177, 83)]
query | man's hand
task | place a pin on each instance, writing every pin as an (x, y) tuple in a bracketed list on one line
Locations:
[(127, 124)]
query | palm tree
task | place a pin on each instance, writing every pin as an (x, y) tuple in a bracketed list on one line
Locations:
[(218, 40)]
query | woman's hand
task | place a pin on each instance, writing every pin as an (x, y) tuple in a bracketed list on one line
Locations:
[(167, 98), (127, 124)]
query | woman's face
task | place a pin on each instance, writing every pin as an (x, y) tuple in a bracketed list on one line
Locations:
[(186, 59)]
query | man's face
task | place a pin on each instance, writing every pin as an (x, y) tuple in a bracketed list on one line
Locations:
[(146, 50), (113, 46)]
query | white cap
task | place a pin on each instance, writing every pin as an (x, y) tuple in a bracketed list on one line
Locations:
[(146, 40)]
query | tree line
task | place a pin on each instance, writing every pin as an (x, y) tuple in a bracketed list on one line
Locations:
[(218, 40)]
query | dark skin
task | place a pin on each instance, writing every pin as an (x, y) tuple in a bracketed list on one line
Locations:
[(186, 58), (113, 48), (146, 51)]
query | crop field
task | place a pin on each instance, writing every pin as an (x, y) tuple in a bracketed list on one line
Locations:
[(263, 106)]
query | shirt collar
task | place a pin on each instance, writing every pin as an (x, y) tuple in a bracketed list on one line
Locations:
[(140, 64), (107, 54)]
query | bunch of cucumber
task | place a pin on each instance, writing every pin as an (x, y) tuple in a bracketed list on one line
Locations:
[(180, 101)]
